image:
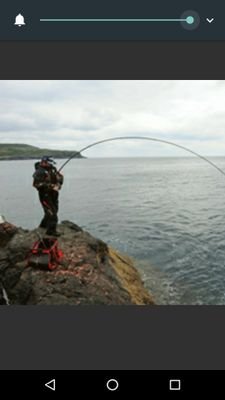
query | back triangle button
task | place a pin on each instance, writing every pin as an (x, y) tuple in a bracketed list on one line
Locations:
[(51, 384)]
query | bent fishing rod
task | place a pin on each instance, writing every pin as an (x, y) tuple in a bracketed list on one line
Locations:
[(78, 153)]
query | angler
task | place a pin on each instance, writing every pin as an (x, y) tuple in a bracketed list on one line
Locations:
[(48, 181)]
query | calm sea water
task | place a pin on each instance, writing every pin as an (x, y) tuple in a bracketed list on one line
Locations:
[(167, 213)]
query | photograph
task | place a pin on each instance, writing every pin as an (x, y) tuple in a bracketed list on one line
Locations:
[(112, 192)]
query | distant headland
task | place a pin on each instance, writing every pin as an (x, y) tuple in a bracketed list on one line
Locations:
[(16, 151)]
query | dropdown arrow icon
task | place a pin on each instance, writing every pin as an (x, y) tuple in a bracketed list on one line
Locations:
[(209, 20)]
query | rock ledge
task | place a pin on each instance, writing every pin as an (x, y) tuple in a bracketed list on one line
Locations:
[(90, 272)]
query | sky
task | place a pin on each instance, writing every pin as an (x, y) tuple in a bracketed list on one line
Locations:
[(69, 115)]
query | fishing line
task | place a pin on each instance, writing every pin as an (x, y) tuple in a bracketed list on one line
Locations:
[(75, 154)]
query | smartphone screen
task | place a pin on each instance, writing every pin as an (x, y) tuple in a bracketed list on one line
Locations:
[(112, 174)]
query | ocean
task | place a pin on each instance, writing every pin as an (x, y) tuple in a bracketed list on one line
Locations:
[(166, 213)]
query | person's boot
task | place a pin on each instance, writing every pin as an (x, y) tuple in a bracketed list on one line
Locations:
[(42, 225), (53, 233)]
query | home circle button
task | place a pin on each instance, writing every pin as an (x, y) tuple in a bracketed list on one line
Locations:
[(112, 385)]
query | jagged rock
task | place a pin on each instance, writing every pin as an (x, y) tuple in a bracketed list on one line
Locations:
[(89, 273), (7, 230)]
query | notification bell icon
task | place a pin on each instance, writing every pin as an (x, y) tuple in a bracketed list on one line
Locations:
[(19, 21)]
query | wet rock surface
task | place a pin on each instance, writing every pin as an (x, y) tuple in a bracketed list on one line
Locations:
[(89, 273)]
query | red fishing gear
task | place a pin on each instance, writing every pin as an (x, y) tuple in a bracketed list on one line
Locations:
[(45, 254)]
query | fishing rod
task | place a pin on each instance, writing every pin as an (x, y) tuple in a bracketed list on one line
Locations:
[(75, 154)]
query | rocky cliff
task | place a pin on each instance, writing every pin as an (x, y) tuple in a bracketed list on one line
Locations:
[(90, 272)]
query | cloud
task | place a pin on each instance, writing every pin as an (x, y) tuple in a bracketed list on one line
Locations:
[(73, 114)]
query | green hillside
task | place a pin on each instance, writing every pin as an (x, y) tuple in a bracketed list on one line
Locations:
[(14, 151)]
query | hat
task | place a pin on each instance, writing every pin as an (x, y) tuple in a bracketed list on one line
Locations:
[(48, 159)]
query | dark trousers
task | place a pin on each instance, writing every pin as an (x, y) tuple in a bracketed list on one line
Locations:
[(50, 203)]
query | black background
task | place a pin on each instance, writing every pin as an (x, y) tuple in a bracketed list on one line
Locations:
[(112, 337), (88, 383), (112, 60)]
